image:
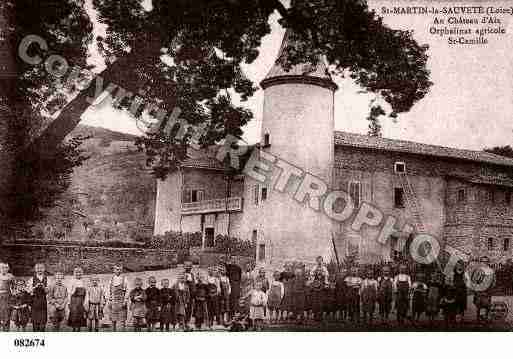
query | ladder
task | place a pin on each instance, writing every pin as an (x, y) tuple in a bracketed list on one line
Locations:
[(412, 202)]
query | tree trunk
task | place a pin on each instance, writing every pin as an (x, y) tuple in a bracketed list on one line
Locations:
[(7, 118)]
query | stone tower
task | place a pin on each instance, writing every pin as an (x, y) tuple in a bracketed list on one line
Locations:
[(298, 127)]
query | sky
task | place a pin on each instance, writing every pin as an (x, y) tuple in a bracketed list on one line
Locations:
[(470, 104)]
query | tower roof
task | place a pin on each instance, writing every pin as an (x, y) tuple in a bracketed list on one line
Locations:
[(301, 73)]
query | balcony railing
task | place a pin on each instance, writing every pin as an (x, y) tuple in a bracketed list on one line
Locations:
[(232, 204)]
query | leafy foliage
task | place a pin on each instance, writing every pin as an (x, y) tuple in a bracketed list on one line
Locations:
[(234, 246)]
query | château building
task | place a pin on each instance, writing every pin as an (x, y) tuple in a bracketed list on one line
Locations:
[(461, 197)]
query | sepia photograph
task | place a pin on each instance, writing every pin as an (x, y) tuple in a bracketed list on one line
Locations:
[(257, 166)]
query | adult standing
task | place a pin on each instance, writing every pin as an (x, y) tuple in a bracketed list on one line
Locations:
[(38, 286), (118, 296), (234, 274), (77, 304), (460, 288), (402, 286)]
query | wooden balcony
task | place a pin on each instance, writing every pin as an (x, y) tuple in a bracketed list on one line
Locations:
[(232, 204)]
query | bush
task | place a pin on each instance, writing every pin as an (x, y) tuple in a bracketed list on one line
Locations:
[(178, 241), (234, 246)]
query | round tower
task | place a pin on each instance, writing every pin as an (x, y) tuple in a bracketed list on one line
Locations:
[(297, 127)]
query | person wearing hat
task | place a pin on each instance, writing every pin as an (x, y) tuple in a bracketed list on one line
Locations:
[(385, 293), (402, 286)]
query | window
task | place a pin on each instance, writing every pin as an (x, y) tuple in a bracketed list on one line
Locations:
[(398, 197), (209, 237), (355, 193), (491, 195), (254, 236), (256, 194), (267, 140), (261, 252), (264, 193), (400, 167), (193, 195), (505, 244), (462, 196), (491, 244), (508, 197)]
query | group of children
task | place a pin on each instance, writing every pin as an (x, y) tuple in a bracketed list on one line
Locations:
[(206, 298), (361, 295)]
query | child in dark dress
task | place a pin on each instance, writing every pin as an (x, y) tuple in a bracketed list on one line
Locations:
[(460, 288), (200, 302), (38, 286), (449, 306), (420, 290), (152, 304), (433, 298), (385, 293), (167, 309), (275, 296), (341, 294), (402, 287)]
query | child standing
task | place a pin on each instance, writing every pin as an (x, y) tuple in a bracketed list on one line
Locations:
[(275, 297), (354, 282), (224, 298), (341, 294), (213, 299), (449, 306), (257, 301), (118, 290), (298, 288), (38, 285), (152, 304), (167, 303), (57, 301), (96, 302), (77, 304), (317, 292), (183, 299), (6, 284), (420, 290), (402, 286), (200, 302), (137, 304), (433, 298), (368, 294), (21, 302), (385, 293)]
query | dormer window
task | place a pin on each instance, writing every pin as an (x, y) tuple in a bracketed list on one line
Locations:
[(267, 140), (400, 167)]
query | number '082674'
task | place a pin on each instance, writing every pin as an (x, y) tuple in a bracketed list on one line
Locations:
[(29, 342)]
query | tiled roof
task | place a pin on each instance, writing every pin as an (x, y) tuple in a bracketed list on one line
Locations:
[(385, 144)]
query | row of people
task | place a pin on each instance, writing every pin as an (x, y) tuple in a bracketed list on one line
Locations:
[(214, 297)]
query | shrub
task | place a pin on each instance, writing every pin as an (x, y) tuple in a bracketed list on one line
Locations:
[(234, 246)]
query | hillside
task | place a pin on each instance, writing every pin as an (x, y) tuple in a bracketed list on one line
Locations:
[(112, 191)]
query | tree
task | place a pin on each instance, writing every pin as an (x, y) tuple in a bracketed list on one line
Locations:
[(188, 54)]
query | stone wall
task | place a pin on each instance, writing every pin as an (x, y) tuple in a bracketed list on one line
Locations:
[(22, 257)]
